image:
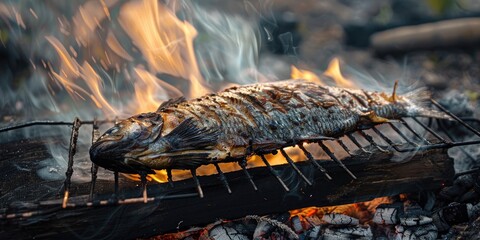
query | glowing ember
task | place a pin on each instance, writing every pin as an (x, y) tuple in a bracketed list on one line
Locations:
[(363, 211)]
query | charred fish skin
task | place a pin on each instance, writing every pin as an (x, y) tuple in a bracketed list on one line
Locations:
[(246, 120)]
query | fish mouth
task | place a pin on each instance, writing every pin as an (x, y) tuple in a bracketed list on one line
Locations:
[(111, 154)]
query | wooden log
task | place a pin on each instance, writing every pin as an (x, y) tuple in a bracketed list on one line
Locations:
[(444, 34), (376, 175)]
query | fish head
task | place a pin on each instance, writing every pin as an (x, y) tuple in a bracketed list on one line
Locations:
[(119, 148)]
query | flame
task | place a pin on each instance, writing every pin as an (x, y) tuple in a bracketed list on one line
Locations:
[(305, 74), (166, 44), (334, 72), (363, 210), (165, 41)]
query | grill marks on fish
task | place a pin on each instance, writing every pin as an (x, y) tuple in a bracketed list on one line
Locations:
[(269, 113), (240, 121)]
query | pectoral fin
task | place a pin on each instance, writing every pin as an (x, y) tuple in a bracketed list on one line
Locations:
[(187, 135)]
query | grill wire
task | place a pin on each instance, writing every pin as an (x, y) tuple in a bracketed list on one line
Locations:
[(413, 143)]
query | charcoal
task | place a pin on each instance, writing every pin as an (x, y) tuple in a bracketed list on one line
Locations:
[(452, 214), (297, 224), (223, 232), (415, 220), (460, 186), (471, 232), (427, 231), (340, 219), (268, 228), (387, 213), (352, 232), (314, 233)]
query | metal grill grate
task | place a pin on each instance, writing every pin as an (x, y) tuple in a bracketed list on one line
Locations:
[(407, 135)]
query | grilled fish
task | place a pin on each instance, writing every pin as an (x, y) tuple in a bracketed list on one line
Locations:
[(240, 121)]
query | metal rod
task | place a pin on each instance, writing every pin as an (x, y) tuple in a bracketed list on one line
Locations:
[(274, 173), (315, 163), (405, 124), (243, 164), (342, 144), (370, 140), (71, 153), (170, 177), (290, 161), (445, 131), (456, 118), (197, 182), (354, 140), (115, 176), (332, 156), (397, 130), (429, 130), (94, 168), (223, 178), (36, 123), (143, 178)]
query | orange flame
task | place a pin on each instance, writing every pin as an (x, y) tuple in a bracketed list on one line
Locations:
[(363, 210), (305, 74), (167, 45), (334, 72)]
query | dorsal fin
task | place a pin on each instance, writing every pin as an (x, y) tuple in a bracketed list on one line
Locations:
[(170, 102), (393, 98)]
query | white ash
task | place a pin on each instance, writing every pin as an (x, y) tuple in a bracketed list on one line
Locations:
[(314, 233), (222, 232), (297, 224), (415, 220), (340, 233), (427, 232), (340, 219), (291, 234), (387, 214)]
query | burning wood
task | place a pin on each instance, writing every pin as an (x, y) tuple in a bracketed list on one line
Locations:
[(371, 169)]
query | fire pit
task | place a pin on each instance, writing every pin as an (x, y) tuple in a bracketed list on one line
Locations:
[(366, 172), (403, 179)]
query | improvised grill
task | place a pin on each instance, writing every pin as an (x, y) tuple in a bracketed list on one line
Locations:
[(409, 137)]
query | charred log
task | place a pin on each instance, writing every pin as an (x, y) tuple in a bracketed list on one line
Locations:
[(377, 176)]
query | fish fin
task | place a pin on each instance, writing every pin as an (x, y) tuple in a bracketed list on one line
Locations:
[(137, 166), (266, 145), (372, 117), (314, 138), (191, 160), (420, 99), (187, 135), (171, 102), (394, 97)]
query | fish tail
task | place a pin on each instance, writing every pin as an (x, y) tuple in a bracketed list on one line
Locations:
[(420, 106)]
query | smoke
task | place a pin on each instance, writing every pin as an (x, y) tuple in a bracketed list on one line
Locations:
[(111, 59)]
